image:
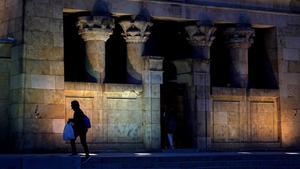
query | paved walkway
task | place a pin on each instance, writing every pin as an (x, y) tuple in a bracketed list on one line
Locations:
[(65, 161)]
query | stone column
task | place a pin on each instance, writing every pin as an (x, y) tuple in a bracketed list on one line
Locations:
[(201, 38), (239, 40), (95, 31), (152, 79), (136, 33)]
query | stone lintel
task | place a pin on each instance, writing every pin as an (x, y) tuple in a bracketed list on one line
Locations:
[(153, 63)]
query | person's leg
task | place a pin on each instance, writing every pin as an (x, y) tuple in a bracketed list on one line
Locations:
[(73, 146), (170, 138), (84, 144)]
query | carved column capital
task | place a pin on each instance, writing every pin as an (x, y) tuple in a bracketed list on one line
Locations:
[(200, 36), (95, 28), (239, 37), (136, 31)]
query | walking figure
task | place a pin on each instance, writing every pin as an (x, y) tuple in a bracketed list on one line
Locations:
[(80, 128)]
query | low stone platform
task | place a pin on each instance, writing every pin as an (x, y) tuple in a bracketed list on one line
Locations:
[(165, 160)]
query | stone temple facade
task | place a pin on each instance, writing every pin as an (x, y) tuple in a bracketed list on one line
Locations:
[(229, 69)]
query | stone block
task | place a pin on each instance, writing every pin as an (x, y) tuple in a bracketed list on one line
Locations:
[(37, 67), (155, 91), (124, 117), (2, 5), (224, 91), (47, 111), (200, 66), (38, 40), (220, 133), (11, 3), (153, 63), (57, 68), (56, 26), (17, 81), (122, 104), (202, 92), (41, 9), (153, 77), (233, 133), (185, 78), (42, 82), (291, 54), (129, 131), (292, 42), (37, 24), (54, 97), (5, 65), (288, 103), (291, 78), (202, 105), (56, 54), (290, 116), (34, 96), (4, 89), (59, 82), (155, 136), (58, 126), (155, 116), (16, 111), (226, 106), (155, 104), (58, 39), (147, 117), (58, 10), (201, 79), (220, 118), (294, 66)]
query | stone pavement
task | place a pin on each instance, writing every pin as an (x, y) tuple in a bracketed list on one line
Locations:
[(157, 160)]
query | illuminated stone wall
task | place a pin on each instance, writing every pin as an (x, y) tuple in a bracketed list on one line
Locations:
[(116, 113), (289, 78), (128, 116), (245, 119), (37, 79)]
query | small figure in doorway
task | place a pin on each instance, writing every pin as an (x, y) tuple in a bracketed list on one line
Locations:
[(170, 123)]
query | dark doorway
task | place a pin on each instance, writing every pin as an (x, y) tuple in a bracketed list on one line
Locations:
[(174, 101), (168, 39)]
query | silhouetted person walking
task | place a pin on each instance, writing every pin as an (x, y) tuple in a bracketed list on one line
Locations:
[(79, 127)]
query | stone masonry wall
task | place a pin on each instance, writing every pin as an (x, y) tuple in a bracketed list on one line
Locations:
[(38, 79), (289, 78), (117, 113), (4, 100), (10, 26), (245, 119), (39, 102)]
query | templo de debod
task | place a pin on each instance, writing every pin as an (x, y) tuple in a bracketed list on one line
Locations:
[(228, 69)]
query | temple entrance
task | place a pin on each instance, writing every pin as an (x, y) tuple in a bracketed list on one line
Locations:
[(174, 103)]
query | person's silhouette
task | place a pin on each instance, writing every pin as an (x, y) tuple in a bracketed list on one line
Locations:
[(79, 127)]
